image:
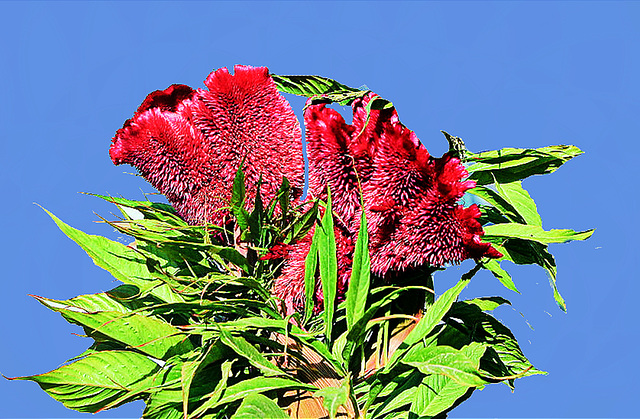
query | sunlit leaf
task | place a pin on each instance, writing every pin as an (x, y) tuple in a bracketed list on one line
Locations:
[(258, 406), (147, 334), (512, 164), (91, 383), (462, 366), (360, 276), (246, 350), (433, 315), (435, 394), (259, 385), (328, 265), (498, 202), (399, 392), (533, 233), (121, 261), (503, 276), (334, 397), (310, 269), (322, 89), (519, 198)]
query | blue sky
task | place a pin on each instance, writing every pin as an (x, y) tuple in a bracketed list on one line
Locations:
[(497, 74)]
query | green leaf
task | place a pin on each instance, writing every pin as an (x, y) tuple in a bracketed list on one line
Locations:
[(259, 385), (169, 411), (156, 231), (535, 233), (149, 210), (358, 290), (212, 398), (309, 85), (503, 276), (398, 393), (147, 334), (525, 252), (487, 303), (512, 164), (547, 261), (188, 370), (192, 366), (295, 332), (310, 268), (474, 325), (328, 265), (259, 406), (462, 366), (432, 317), (165, 399), (500, 203), (334, 397), (248, 351), (121, 261), (376, 103), (302, 225), (237, 199), (284, 197), (93, 382), (520, 199), (357, 333), (436, 394), (104, 301), (244, 323), (492, 215), (238, 192), (321, 88), (256, 219), (232, 255), (457, 148), (520, 252)]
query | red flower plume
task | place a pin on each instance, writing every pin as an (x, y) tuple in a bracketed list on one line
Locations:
[(189, 143), (411, 198)]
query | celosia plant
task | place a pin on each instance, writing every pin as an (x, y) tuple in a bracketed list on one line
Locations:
[(244, 299)]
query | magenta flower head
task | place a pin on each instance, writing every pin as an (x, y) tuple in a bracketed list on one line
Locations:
[(411, 198), (189, 143)]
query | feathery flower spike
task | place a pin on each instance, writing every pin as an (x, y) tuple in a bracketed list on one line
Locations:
[(189, 143), (411, 198)]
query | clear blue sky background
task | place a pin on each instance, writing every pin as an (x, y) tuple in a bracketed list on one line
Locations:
[(524, 74)]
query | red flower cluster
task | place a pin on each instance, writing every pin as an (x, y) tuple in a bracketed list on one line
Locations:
[(189, 143), (410, 198)]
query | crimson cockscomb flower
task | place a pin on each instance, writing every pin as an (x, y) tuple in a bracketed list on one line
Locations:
[(340, 156), (189, 143), (431, 228), (411, 198)]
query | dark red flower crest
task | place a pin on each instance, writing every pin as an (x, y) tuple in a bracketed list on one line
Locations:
[(189, 143), (411, 198)]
